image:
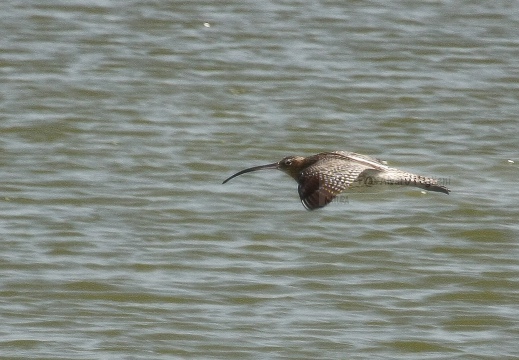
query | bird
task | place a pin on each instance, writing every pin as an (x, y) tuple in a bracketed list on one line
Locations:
[(323, 176)]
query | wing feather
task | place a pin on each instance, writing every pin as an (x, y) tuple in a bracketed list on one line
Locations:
[(321, 182)]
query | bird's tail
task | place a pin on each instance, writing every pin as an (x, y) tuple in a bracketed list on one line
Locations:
[(398, 177)]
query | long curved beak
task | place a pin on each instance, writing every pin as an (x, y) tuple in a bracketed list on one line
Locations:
[(255, 168)]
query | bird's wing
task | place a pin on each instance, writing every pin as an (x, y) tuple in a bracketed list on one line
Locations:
[(321, 182), (369, 161), (379, 173)]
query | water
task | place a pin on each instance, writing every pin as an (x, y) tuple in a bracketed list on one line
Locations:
[(120, 119)]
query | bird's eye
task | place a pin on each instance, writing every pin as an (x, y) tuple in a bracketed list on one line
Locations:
[(288, 162)]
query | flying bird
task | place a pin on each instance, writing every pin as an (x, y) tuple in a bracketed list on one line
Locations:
[(323, 176)]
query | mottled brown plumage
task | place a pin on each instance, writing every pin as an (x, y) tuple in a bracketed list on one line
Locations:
[(323, 176)]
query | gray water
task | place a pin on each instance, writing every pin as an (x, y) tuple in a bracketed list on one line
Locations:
[(120, 119)]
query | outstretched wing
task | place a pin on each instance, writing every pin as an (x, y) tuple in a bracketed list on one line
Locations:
[(369, 161), (321, 182)]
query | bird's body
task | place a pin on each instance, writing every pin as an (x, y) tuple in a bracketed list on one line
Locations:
[(323, 176)]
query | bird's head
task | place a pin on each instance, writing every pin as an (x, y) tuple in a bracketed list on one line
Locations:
[(292, 165)]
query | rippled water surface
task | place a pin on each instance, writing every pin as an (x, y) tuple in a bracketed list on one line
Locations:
[(120, 119)]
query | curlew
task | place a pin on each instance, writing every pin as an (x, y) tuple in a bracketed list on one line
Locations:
[(323, 176)]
